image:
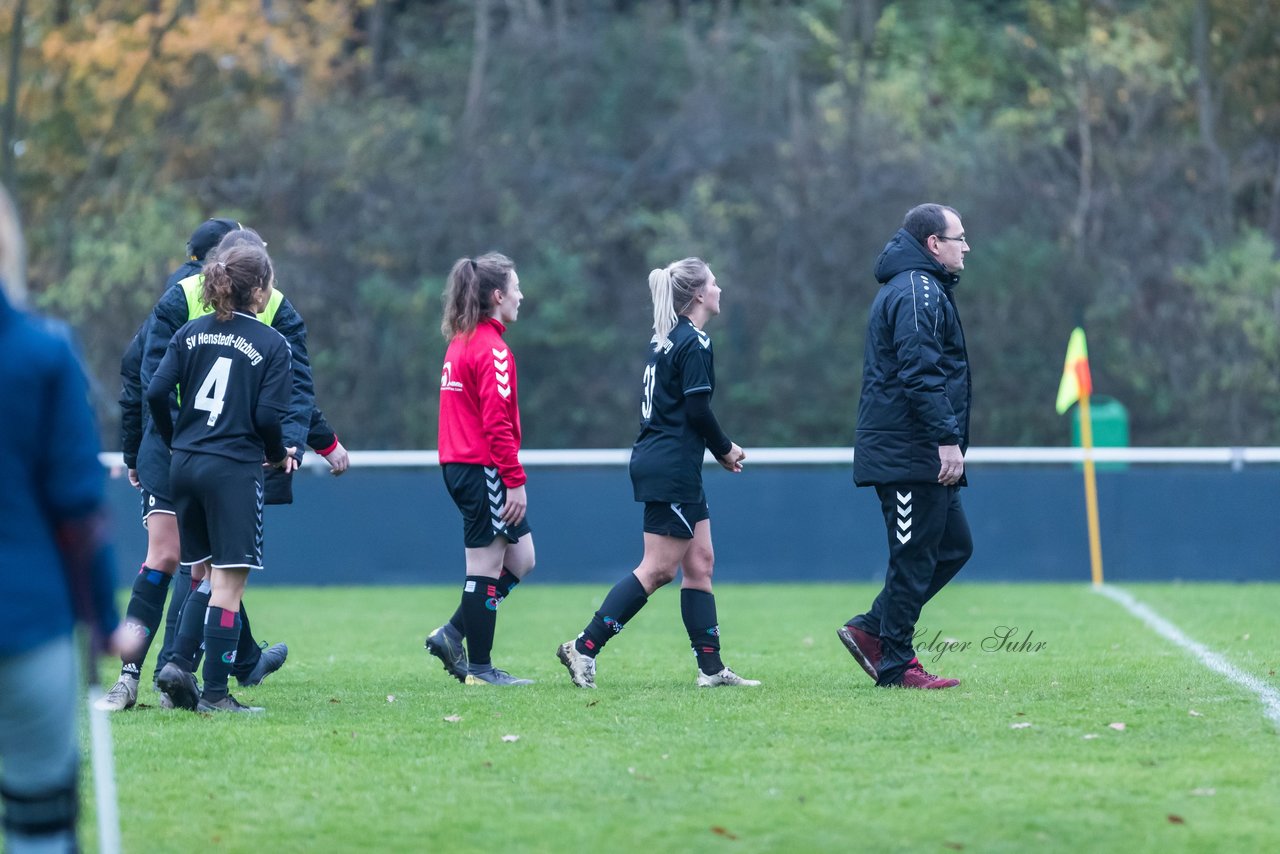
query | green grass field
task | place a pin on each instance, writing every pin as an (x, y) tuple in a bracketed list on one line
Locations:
[(367, 745)]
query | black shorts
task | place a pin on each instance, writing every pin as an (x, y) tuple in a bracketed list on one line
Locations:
[(152, 503), (480, 495), (219, 504), (673, 520)]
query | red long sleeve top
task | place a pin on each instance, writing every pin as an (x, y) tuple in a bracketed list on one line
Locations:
[(479, 406)]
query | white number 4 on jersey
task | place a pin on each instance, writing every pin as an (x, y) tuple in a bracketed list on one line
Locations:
[(214, 389)]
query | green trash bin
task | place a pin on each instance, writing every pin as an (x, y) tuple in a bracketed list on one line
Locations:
[(1110, 427)]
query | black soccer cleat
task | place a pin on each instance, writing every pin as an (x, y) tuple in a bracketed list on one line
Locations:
[(445, 643), (271, 660), (180, 686)]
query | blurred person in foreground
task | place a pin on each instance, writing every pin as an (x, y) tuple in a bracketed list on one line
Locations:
[(913, 430), (56, 563)]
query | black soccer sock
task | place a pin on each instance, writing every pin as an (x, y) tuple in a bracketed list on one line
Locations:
[(179, 589), (507, 582), (191, 628), (480, 617), (143, 615), (247, 651), (622, 603), (221, 634), (698, 608)]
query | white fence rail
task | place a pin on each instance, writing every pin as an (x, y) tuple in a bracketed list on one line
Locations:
[(1235, 457)]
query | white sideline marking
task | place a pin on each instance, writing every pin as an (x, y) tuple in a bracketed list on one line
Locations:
[(1210, 659)]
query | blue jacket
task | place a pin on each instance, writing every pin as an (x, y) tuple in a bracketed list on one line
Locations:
[(53, 480), (915, 372)]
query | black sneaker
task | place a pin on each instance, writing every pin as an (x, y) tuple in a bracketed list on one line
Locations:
[(445, 643), (271, 660), (180, 686), (228, 704)]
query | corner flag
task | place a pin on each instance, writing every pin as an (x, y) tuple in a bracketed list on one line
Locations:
[(1076, 381), (1076, 386)]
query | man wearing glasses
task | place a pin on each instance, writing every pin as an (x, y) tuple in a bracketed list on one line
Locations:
[(913, 430)]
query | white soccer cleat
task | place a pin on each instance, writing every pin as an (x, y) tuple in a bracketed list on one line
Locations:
[(724, 677), (582, 668), (122, 696)]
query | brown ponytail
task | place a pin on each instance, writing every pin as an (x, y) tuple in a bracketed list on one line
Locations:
[(468, 295), (233, 279)]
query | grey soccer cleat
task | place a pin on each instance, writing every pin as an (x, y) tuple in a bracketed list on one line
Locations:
[(228, 704), (724, 677), (582, 668), (494, 676), (445, 643), (180, 686), (271, 660), (122, 696)]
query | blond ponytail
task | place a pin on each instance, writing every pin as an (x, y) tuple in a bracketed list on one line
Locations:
[(673, 289), (664, 315)]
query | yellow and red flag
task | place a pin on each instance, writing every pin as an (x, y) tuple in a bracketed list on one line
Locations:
[(1076, 381)]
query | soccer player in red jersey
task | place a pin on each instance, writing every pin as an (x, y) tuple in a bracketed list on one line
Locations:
[(479, 456)]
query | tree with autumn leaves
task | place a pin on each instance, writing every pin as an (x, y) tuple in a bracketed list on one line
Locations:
[(1117, 164)]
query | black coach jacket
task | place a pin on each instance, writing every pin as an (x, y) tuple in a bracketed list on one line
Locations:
[(915, 374)]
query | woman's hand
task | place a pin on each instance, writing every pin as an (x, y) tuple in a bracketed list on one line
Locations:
[(732, 460)]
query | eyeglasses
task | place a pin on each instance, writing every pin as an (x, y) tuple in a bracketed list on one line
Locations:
[(960, 239)]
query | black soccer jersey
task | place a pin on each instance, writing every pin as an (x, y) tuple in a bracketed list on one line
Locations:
[(234, 379), (666, 461)]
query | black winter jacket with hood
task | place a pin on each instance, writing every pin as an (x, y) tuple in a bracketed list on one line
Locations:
[(915, 374)]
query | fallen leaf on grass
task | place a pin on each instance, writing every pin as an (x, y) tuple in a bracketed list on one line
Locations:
[(954, 846), (334, 700), (1176, 819), (720, 831), (1194, 713), (1204, 793), (453, 719), (511, 738), (1020, 725), (1119, 727), (1019, 714)]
